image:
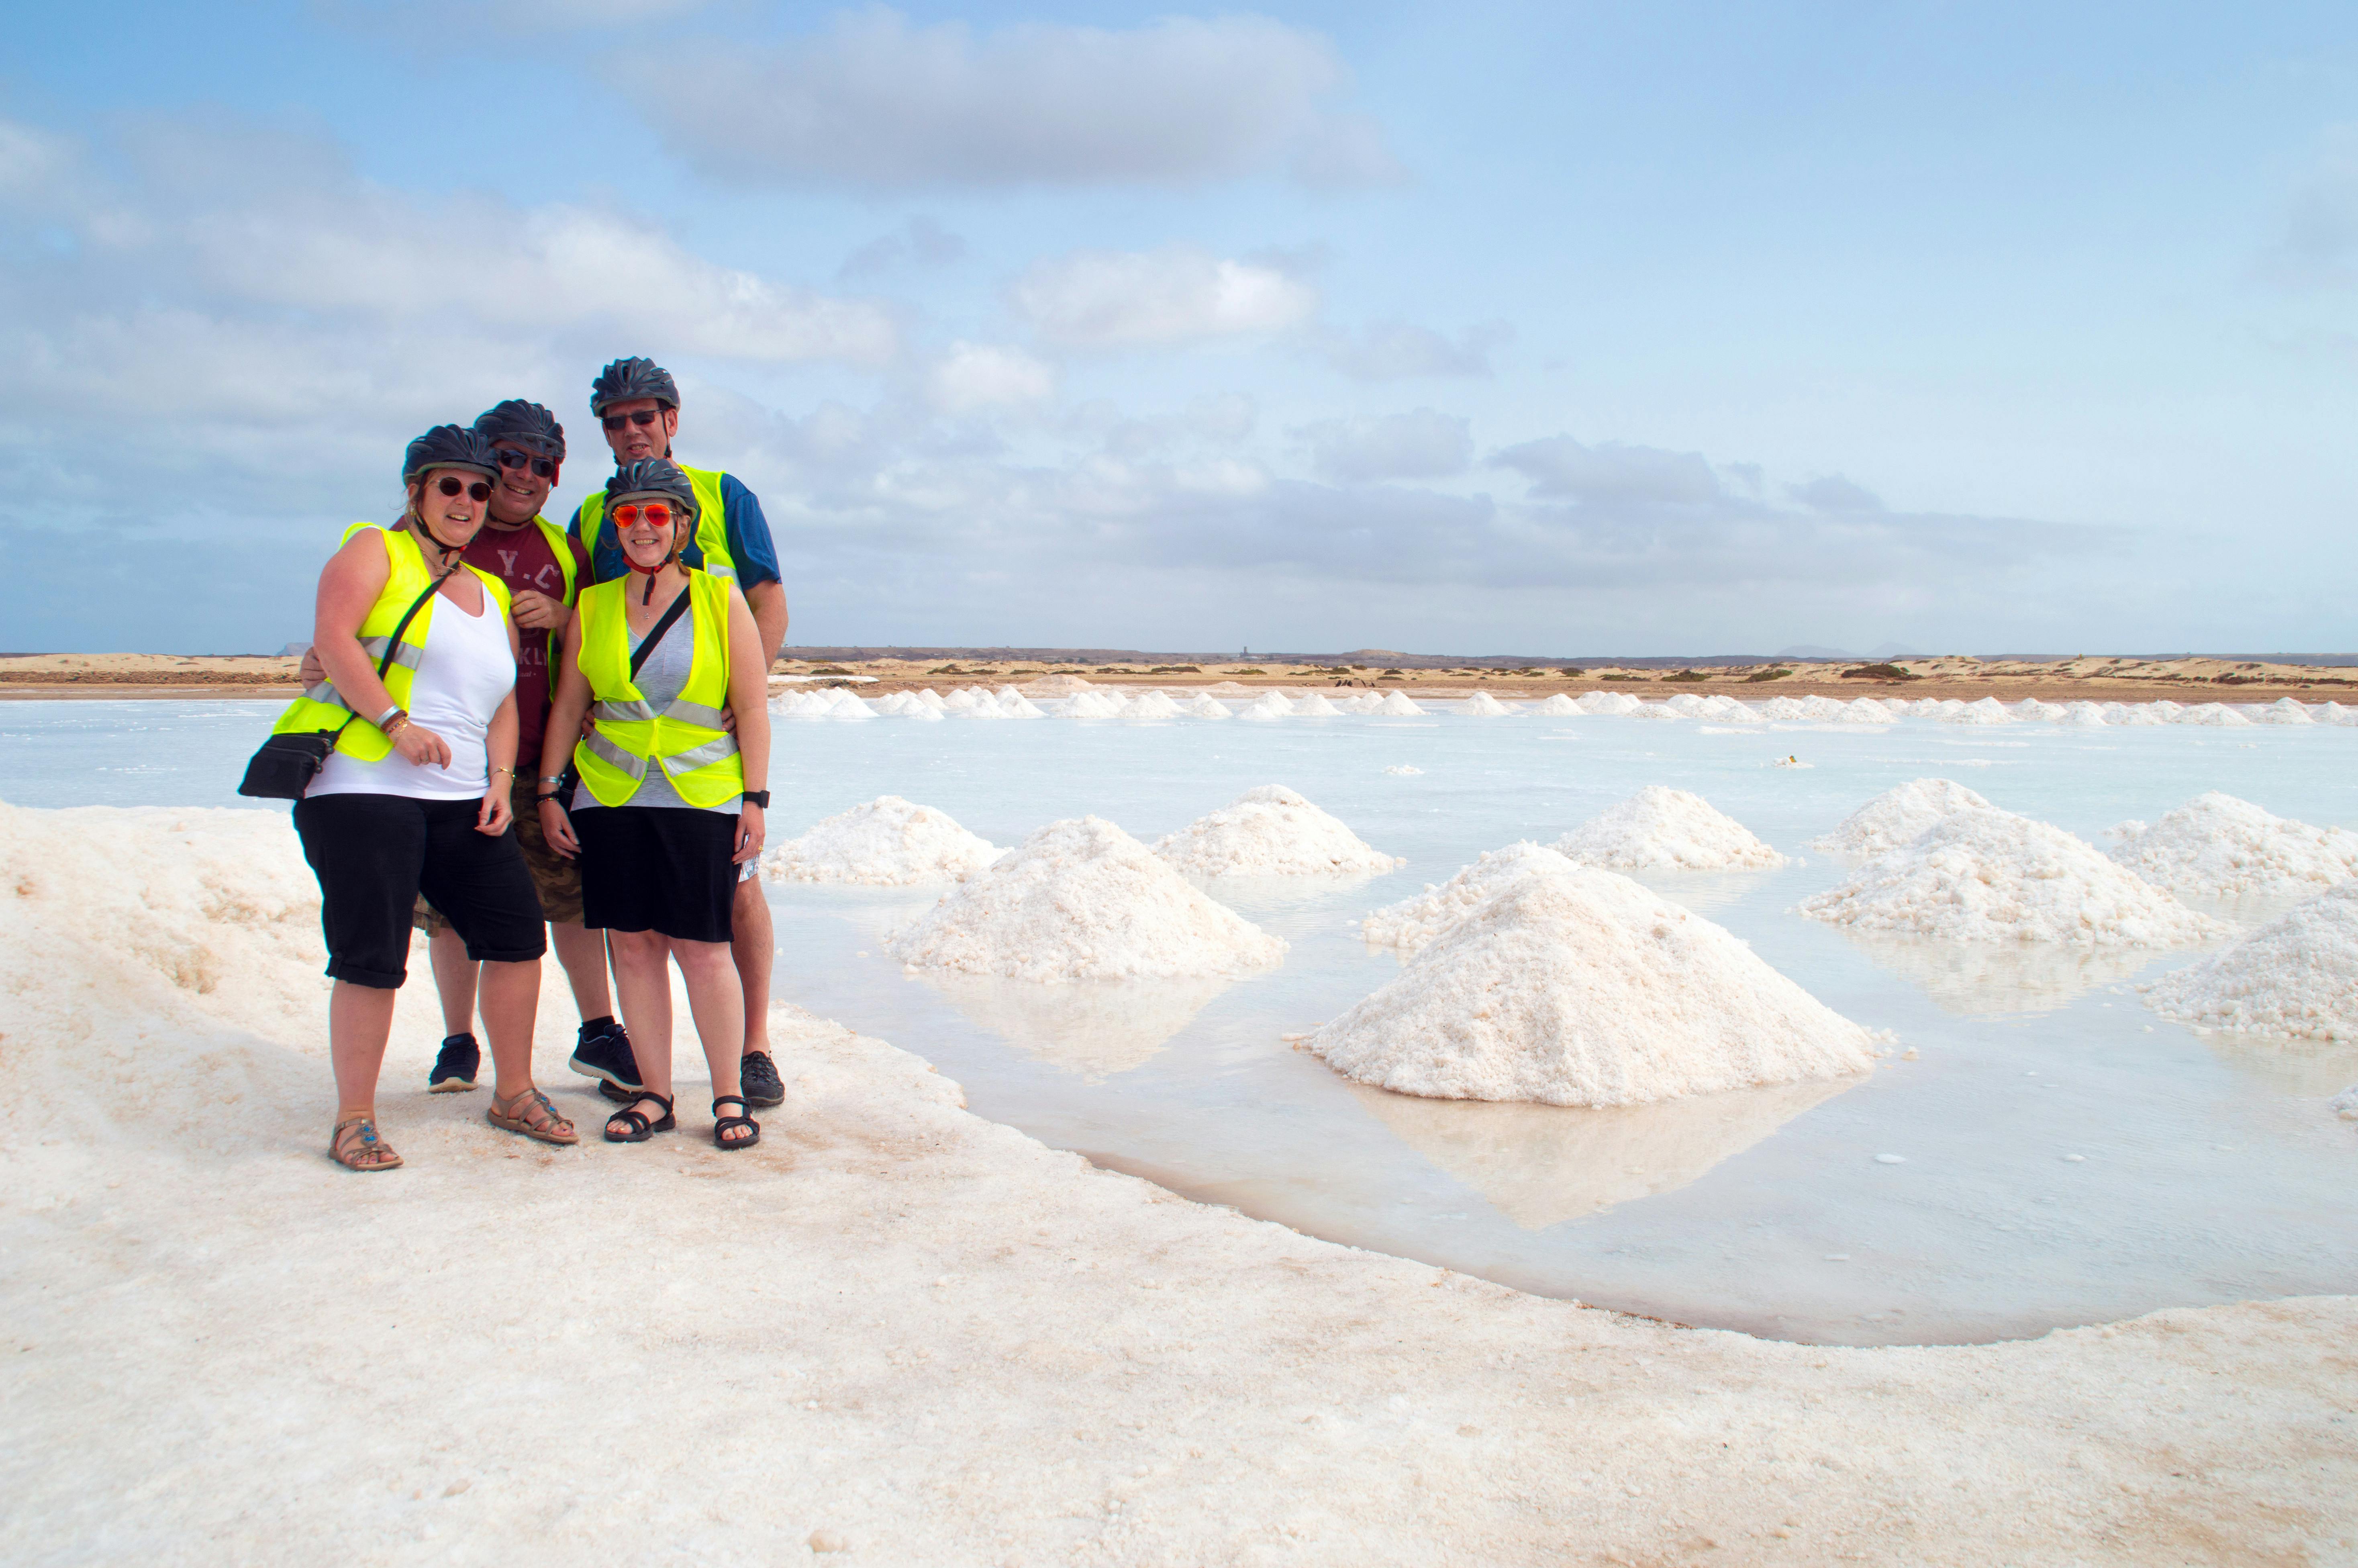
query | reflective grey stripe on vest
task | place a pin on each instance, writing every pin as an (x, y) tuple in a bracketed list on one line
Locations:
[(408, 655), (326, 693), (711, 752), (607, 751), (726, 574), (639, 712)]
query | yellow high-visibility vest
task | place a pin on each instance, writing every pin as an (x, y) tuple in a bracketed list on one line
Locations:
[(685, 737), (711, 522), (323, 708)]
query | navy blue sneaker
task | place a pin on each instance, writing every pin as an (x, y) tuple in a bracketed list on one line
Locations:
[(455, 1067), (603, 1053), (760, 1077)]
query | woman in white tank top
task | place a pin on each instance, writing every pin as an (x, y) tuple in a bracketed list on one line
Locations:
[(433, 814)]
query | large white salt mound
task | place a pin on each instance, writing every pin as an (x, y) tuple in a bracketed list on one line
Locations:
[(1268, 705), (1397, 703), (1579, 987), (1415, 922), (1560, 706), (1151, 705), (2216, 846), (1988, 711), (2297, 975), (888, 842), (1992, 876), (1271, 832), (1897, 815), (1314, 705), (1609, 702), (1482, 705), (1205, 707), (1667, 830), (1080, 900)]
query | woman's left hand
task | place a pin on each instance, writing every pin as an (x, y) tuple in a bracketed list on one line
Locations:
[(496, 813), (748, 834)]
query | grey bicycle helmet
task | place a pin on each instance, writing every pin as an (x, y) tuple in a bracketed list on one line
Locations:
[(528, 425), (451, 446), (626, 381)]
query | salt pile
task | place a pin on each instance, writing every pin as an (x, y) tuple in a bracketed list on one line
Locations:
[(1560, 706), (1579, 987), (1314, 705), (1397, 704), (888, 842), (1992, 876), (1269, 706), (1151, 705), (1271, 832), (1666, 830), (1415, 922), (2298, 976), (2216, 846), (1080, 900), (1609, 702), (1988, 711), (1899, 815), (1482, 705), (1204, 707), (1057, 686)]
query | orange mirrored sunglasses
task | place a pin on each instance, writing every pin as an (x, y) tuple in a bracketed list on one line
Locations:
[(657, 513)]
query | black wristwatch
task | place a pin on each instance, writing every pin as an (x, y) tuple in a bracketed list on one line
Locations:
[(760, 797)]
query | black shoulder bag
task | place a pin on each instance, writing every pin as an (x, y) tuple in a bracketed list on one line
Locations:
[(285, 766)]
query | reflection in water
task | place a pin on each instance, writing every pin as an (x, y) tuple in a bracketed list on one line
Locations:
[(1542, 1165), (1698, 891), (2287, 1067), (1977, 978), (1095, 1028)]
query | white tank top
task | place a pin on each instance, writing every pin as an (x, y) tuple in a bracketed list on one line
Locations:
[(465, 674)]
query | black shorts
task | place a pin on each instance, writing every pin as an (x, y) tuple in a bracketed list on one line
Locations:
[(653, 867), (374, 854)]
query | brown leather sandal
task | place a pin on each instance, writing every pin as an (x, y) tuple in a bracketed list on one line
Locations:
[(355, 1146), (531, 1114)]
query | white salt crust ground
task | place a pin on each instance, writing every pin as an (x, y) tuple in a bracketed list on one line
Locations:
[(1992, 876), (1897, 815), (2295, 975), (918, 1334), (2216, 846), (1661, 829), (1271, 832), (1082, 899), (1415, 922), (1574, 986), (885, 843)]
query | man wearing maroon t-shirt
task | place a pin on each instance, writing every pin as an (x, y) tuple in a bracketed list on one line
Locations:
[(544, 569)]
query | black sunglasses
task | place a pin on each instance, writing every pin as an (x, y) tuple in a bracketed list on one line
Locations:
[(643, 419), (541, 467), (450, 485)]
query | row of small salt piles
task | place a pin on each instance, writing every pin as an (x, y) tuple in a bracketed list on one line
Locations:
[(979, 702)]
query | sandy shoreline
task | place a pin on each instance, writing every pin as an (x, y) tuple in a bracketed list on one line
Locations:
[(921, 1337), (149, 676)]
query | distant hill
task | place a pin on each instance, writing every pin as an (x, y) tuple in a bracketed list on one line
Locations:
[(1812, 651)]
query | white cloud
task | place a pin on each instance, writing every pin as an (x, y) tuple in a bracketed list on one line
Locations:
[(876, 99), (1395, 351), (1833, 492), (984, 376), (1560, 468), (1419, 444), (1108, 299), (921, 242)]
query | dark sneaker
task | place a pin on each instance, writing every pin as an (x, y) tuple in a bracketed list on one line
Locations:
[(605, 1055), (760, 1077), (454, 1069)]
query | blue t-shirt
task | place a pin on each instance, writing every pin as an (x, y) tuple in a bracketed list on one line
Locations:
[(748, 535)]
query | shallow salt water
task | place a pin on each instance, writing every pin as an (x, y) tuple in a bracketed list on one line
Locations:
[(2054, 1155)]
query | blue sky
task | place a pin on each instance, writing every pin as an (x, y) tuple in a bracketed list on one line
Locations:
[(1549, 328)]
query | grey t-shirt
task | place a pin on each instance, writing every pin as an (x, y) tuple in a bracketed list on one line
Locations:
[(661, 680)]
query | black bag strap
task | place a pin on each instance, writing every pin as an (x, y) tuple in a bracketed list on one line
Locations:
[(655, 634)]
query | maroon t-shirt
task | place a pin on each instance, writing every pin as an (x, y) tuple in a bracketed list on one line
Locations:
[(521, 557)]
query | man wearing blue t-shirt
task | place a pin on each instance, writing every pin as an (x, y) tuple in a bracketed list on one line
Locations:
[(637, 405)]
